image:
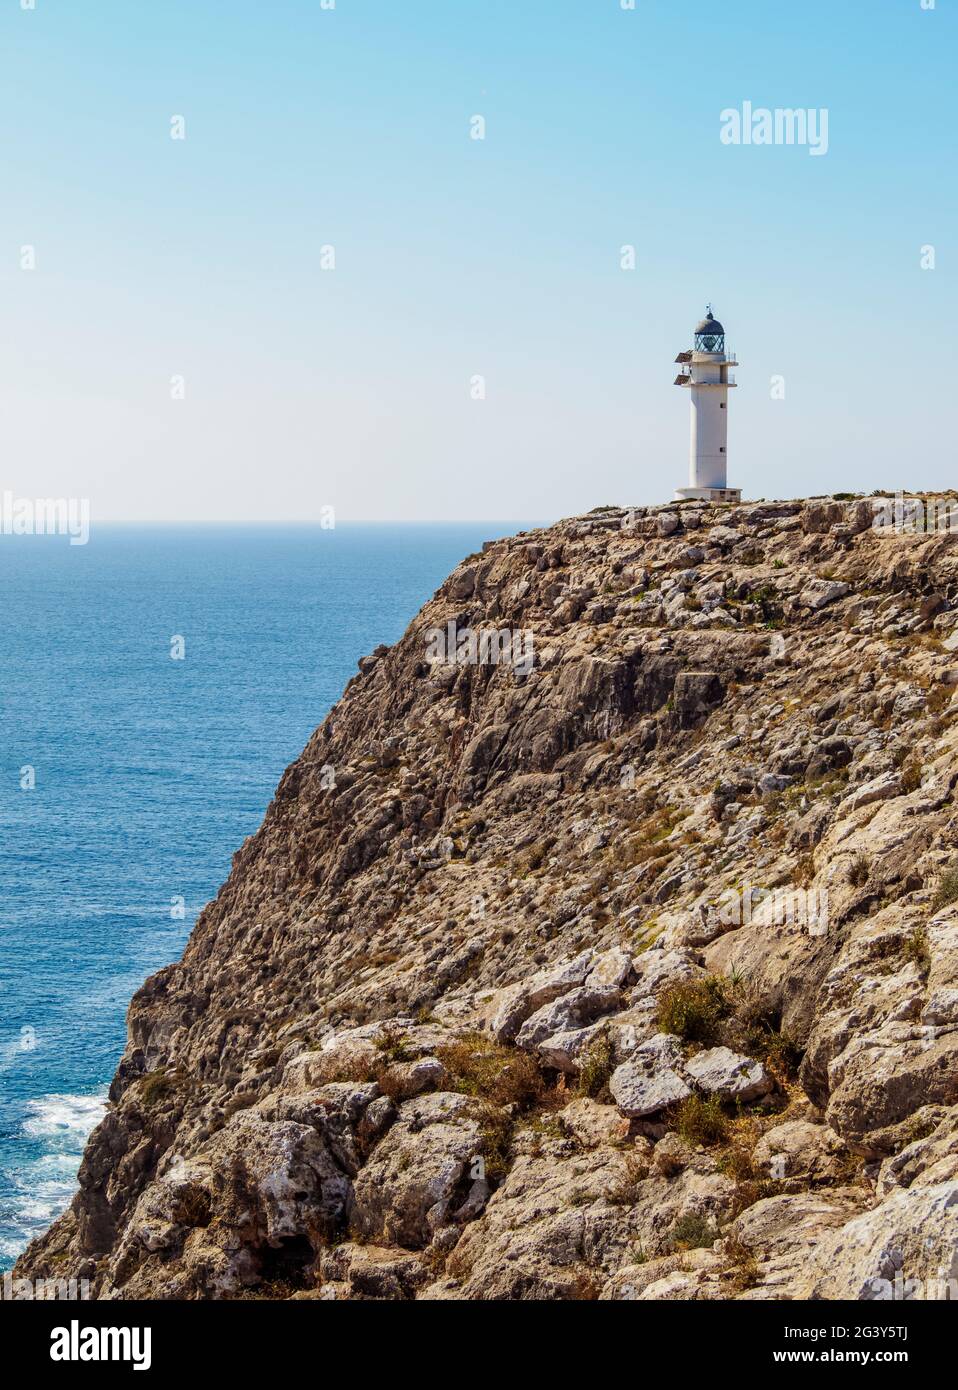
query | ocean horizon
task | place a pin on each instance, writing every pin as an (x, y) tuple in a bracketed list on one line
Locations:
[(131, 776)]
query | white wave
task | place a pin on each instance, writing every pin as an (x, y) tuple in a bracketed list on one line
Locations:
[(66, 1118), (11, 1247), (41, 1187), (29, 1211)]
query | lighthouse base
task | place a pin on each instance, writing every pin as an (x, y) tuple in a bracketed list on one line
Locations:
[(708, 494)]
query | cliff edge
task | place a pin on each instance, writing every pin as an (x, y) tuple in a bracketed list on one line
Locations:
[(602, 943)]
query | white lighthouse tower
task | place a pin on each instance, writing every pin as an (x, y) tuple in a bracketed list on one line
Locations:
[(705, 371)]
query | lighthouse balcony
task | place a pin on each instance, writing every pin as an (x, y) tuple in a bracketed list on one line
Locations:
[(713, 359)]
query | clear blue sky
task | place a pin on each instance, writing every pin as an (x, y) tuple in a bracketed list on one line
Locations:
[(457, 257)]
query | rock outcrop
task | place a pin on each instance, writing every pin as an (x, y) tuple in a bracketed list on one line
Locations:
[(613, 954)]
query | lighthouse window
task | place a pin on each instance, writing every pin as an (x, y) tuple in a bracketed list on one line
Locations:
[(721, 448), (721, 405)]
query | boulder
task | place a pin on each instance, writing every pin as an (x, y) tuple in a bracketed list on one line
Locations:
[(420, 1173), (566, 1050), (881, 788), (695, 695), (819, 593), (462, 583), (510, 1007), (370, 1272), (906, 1248), (650, 1079), (570, 1011), (728, 1075), (798, 1150)]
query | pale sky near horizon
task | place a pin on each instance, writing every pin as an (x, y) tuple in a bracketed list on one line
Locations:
[(350, 387)]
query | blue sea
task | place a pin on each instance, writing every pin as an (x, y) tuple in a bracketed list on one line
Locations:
[(128, 778)]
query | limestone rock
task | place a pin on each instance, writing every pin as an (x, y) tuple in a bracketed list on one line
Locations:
[(697, 693), (879, 789), (728, 1075), (511, 1007), (650, 1079), (570, 1011), (593, 1124), (419, 1174), (369, 1272), (818, 593), (798, 1151), (906, 1248)]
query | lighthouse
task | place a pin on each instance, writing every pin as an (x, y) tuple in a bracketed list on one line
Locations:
[(705, 371)]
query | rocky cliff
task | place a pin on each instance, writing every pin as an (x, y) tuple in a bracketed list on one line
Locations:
[(614, 955)]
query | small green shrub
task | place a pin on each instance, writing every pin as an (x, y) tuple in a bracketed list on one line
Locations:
[(701, 1121), (157, 1085), (947, 890), (597, 1066), (756, 1029), (483, 1068), (694, 1009), (917, 949), (393, 1045), (859, 871), (495, 1140), (693, 1232)]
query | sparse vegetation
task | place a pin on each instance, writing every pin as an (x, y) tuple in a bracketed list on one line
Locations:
[(496, 1128), (805, 870), (597, 1066), (911, 774), (756, 1029), (502, 1075), (736, 1159), (940, 698), (917, 948), (157, 1086), (947, 889), (859, 871), (625, 1190), (694, 1009), (701, 1121), (392, 1045), (743, 1266), (535, 856), (585, 1287), (692, 1232)]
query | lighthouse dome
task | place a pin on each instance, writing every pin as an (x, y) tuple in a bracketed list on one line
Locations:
[(709, 334)]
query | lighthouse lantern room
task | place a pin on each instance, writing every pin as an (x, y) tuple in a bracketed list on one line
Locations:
[(705, 371)]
